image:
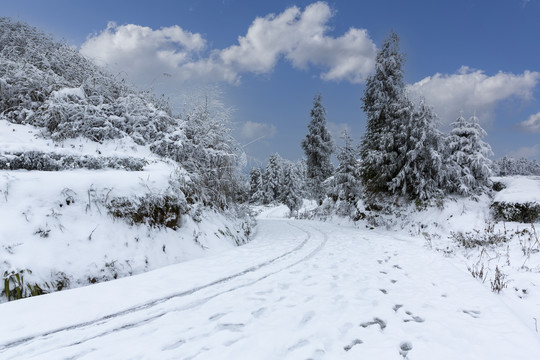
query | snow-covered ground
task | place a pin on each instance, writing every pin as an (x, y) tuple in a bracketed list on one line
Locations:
[(301, 289), (55, 229)]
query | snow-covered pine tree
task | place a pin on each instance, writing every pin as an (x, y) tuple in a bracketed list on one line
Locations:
[(386, 109), (469, 155), (291, 192), (273, 179), (318, 147), (256, 194), (402, 151), (423, 171), (347, 175)]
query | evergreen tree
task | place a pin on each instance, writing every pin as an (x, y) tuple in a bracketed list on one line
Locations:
[(256, 194), (318, 147), (423, 172), (347, 176), (386, 109), (273, 179), (469, 155), (291, 191), (401, 152)]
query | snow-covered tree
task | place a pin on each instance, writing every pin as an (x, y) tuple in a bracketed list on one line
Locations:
[(347, 176), (291, 189), (273, 179), (386, 109), (402, 152), (318, 147), (508, 166), (256, 189), (50, 85), (469, 156), (423, 171)]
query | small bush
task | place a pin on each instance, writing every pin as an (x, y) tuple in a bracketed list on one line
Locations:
[(153, 210), (528, 212), (498, 186), (471, 239), (499, 282)]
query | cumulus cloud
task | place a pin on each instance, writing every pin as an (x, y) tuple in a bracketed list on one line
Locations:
[(301, 37), (473, 91), (142, 52), (532, 124), (254, 130)]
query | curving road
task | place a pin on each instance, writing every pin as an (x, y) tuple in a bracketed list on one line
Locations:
[(300, 290)]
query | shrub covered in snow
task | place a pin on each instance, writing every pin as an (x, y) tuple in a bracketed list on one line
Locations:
[(37, 160), (528, 212)]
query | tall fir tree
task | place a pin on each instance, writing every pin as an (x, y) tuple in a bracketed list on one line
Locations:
[(273, 179), (385, 107), (402, 151), (347, 176), (291, 192), (256, 193), (470, 156), (318, 147), (423, 173)]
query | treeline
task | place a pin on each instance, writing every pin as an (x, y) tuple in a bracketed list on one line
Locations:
[(401, 157)]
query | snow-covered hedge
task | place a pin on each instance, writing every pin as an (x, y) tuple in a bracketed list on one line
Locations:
[(37, 160)]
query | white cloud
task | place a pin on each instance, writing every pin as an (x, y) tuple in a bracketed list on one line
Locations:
[(142, 52), (254, 130), (298, 36), (532, 124), (473, 91), (527, 152)]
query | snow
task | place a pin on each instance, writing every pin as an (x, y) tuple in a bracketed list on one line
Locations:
[(301, 289), (18, 138), (55, 226), (65, 93), (519, 189)]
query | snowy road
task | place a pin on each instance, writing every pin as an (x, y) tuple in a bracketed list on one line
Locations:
[(300, 290)]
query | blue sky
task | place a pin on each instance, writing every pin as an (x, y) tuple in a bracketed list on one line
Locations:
[(471, 55)]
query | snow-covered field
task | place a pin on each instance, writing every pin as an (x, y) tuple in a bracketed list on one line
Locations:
[(301, 289)]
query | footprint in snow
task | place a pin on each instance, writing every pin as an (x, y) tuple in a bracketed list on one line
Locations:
[(393, 281), (381, 323), (380, 261), (307, 317), (397, 307), (474, 313), (415, 318), (258, 313), (404, 348), (352, 344), (398, 267), (384, 291)]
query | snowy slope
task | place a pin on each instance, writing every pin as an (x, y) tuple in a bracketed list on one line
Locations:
[(301, 289), (56, 231)]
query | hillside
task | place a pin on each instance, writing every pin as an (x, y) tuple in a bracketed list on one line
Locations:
[(99, 180)]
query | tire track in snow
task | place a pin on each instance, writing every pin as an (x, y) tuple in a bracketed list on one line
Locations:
[(148, 305)]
